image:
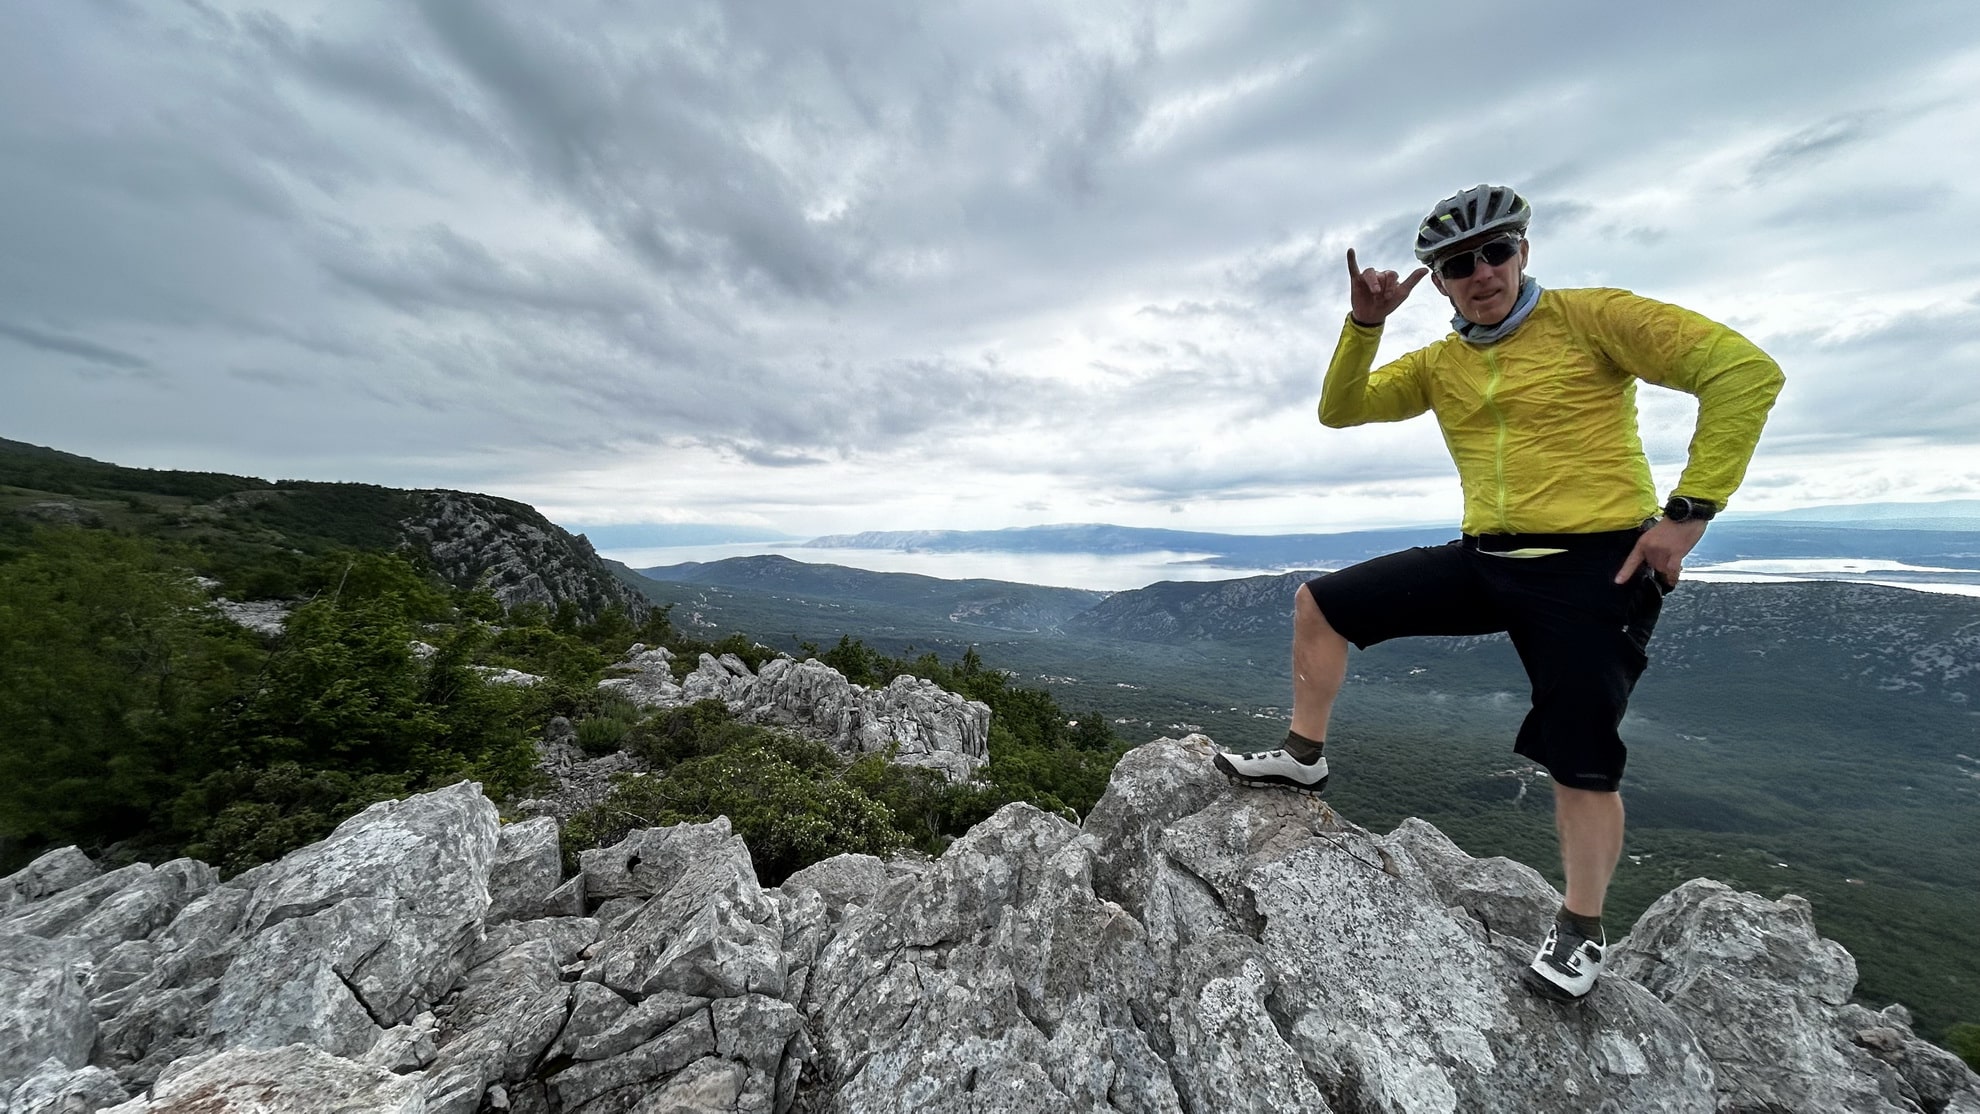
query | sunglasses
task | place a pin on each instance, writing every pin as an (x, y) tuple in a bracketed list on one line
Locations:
[(1461, 265)]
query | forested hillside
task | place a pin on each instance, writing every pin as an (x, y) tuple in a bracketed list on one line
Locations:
[(226, 668), (256, 536)]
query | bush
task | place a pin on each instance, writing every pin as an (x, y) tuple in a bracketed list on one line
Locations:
[(794, 801), (1964, 1041), (788, 815), (611, 722), (698, 730), (242, 818)]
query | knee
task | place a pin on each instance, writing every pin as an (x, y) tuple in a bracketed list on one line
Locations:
[(1308, 620)]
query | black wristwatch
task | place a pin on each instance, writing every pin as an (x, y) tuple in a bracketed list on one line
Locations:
[(1683, 508)]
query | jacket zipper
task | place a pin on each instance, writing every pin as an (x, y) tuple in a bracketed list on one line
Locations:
[(1499, 439)]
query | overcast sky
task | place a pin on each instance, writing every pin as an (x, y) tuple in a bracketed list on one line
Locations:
[(892, 264)]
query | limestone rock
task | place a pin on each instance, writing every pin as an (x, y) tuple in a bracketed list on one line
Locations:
[(926, 725), (711, 932), (1928, 1075), (1282, 960), (295, 1079), (46, 876), (53, 1089), (515, 553), (529, 866), (361, 931), (1768, 999), (636, 1072), (260, 616), (648, 862), (44, 1013), (725, 678), (650, 684), (1189, 947)]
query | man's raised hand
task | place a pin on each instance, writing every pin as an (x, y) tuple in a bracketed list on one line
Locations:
[(1373, 295)]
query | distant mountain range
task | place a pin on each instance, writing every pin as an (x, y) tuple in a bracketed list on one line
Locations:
[(1023, 608), (1904, 535), (1945, 514)]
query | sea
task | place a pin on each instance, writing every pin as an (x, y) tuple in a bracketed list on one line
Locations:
[(1113, 572)]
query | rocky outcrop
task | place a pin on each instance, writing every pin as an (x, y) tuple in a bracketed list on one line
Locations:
[(1189, 948), (515, 553), (1734, 965), (915, 721)]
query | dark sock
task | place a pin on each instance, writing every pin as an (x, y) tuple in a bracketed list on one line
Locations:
[(1306, 750), (1590, 928)]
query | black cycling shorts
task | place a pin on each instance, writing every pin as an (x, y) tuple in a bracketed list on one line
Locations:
[(1582, 637)]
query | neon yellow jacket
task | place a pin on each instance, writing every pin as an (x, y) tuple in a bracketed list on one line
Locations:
[(1542, 424)]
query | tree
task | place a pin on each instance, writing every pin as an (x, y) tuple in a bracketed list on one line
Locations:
[(110, 662)]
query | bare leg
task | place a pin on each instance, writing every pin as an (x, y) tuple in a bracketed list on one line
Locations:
[(1590, 824), (1319, 665)]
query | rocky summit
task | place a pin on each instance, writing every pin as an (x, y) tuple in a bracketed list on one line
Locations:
[(1190, 947)]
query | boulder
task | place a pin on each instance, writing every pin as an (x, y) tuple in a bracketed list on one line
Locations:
[(44, 1011), (528, 869), (1769, 1001), (296, 1079), (46, 876), (711, 932), (650, 681), (364, 930), (53, 1089)]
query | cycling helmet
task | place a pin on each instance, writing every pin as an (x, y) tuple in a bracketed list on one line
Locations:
[(1463, 216)]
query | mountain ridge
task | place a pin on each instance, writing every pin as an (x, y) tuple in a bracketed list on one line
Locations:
[(471, 540), (1949, 542)]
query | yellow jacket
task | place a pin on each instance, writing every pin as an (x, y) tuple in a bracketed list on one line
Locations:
[(1542, 424)]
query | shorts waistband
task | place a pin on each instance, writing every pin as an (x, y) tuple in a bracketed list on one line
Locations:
[(1499, 543)]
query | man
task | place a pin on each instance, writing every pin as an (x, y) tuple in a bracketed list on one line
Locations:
[(1562, 547)]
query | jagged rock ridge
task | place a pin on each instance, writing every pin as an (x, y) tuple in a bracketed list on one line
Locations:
[(515, 553), (1190, 947)]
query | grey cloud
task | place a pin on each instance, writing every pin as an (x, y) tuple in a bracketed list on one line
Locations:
[(1811, 144), (770, 457), (1186, 310), (1553, 216), (1909, 377), (73, 346), (441, 267), (269, 377), (648, 148), (380, 72), (1268, 479)]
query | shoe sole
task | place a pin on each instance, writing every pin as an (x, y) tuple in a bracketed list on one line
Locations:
[(1272, 781), (1549, 989)]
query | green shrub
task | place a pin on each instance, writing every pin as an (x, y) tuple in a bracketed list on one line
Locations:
[(612, 720), (1964, 1040), (243, 817), (697, 730), (788, 815)]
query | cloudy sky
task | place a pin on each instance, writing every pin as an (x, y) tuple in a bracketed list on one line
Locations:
[(889, 264)]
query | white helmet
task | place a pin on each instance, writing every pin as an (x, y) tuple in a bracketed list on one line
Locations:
[(1465, 215)]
